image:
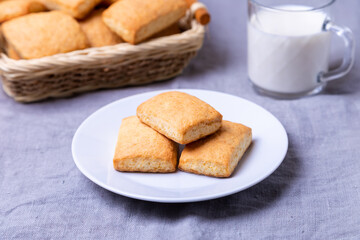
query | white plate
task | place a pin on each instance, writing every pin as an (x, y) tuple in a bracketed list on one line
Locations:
[(94, 144)]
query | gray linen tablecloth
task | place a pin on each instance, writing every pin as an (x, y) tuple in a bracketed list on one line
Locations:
[(314, 194)]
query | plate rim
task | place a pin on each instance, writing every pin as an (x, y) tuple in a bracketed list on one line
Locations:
[(179, 199)]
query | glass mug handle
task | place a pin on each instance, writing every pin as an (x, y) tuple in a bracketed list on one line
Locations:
[(349, 55)]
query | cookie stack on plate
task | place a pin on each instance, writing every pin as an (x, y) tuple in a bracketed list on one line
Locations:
[(149, 141)]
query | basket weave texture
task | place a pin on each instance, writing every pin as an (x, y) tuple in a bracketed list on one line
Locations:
[(115, 66)]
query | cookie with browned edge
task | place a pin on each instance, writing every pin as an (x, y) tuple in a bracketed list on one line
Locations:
[(218, 154), (43, 34), (179, 116), (139, 148), (137, 20)]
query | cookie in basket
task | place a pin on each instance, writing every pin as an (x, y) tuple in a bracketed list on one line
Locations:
[(179, 116), (137, 20), (43, 34), (76, 8), (17, 8), (217, 155), (96, 31), (141, 149)]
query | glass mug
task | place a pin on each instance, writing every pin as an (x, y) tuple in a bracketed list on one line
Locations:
[(289, 47)]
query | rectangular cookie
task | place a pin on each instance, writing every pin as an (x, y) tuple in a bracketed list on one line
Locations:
[(218, 154), (43, 34), (179, 116), (17, 8), (76, 8), (96, 31), (137, 20), (141, 149)]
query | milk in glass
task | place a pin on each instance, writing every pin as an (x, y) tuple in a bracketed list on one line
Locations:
[(287, 50)]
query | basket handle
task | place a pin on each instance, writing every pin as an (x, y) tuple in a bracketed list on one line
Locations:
[(200, 11)]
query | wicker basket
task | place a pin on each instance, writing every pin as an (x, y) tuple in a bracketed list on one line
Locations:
[(115, 66)]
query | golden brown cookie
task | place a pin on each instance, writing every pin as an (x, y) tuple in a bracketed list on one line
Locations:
[(179, 116), (76, 8), (96, 31), (141, 149), (137, 20), (218, 154), (38, 35), (17, 8)]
